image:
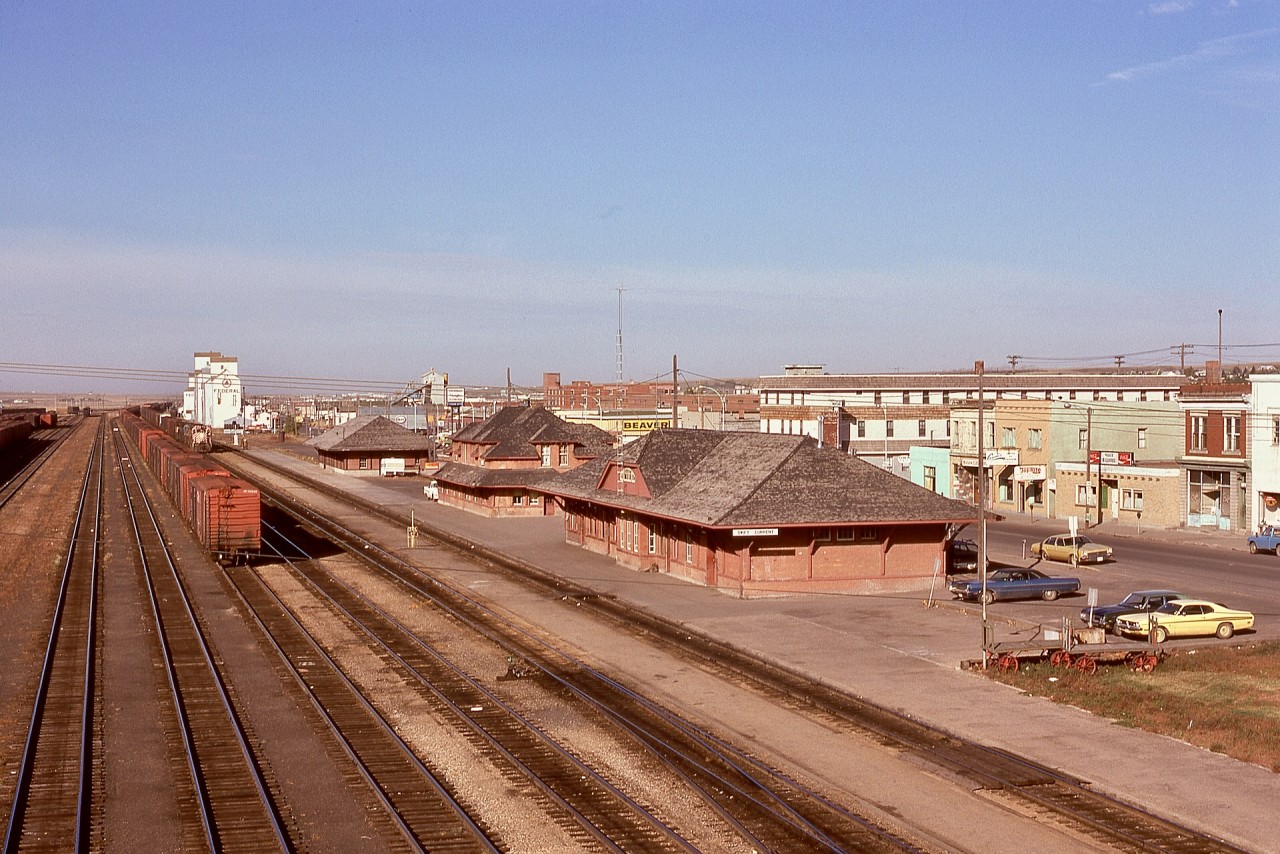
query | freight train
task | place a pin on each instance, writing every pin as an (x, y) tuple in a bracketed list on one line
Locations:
[(223, 511), (18, 424)]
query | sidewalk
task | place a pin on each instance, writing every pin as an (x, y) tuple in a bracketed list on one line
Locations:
[(900, 654)]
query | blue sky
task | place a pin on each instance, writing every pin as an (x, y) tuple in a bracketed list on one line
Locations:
[(371, 190)]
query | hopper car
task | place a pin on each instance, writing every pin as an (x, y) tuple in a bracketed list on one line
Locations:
[(223, 511)]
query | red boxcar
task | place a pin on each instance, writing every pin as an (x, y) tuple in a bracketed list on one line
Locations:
[(226, 515)]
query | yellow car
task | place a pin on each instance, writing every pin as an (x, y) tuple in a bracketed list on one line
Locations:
[(1074, 550), (1184, 618)]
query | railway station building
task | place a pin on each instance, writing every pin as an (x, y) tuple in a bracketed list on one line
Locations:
[(756, 514), (499, 465), (373, 445)]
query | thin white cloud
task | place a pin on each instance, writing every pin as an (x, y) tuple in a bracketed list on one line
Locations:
[(1170, 7), (1214, 49)]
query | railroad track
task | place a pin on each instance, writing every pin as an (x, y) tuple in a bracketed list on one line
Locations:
[(602, 813), (427, 813), (1044, 791), (58, 803), (231, 796), (764, 809), (51, 805)]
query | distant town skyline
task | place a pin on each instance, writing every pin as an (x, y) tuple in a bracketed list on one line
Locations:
[(364, 193)]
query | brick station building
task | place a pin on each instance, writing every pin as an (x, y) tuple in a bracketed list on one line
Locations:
[(366, 444), (757, 514), (499, 464)]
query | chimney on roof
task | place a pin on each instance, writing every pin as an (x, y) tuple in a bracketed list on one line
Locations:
[(1212, 371)]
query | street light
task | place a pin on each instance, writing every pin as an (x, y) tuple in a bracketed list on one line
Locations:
[(717, 394)]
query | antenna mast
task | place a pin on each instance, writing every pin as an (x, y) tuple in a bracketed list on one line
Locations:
[(620, 290)]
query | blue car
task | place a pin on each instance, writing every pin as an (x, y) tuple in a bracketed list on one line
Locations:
[(1014, 583)]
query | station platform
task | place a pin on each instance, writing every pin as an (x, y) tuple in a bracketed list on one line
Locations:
[(900, 651)]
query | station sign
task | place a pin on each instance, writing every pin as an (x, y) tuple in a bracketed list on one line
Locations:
[(755, 532)]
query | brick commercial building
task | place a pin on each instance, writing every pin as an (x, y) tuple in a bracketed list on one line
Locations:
[(757, 515)]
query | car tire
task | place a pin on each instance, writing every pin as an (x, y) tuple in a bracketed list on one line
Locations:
[(988, 597), (1161, 634), (1225, 630), (1049, 595), (1253, 548)]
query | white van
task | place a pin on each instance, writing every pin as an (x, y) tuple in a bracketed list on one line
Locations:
[(432, 491)]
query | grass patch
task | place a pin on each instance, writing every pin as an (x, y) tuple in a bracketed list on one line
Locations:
[(1225, 698)]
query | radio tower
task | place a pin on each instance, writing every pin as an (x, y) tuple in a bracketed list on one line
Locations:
[(620, 290)]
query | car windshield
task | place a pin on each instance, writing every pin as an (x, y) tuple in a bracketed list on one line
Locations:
[(1171, 608), (1133, 599)]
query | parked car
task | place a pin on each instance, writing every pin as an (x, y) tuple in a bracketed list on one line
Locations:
[(1014, 583), (1138, 602), (1074, 550), (1266, 540), (1185, 618), (962, 557)]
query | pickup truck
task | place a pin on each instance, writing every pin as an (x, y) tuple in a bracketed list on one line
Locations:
[(1266, 540)]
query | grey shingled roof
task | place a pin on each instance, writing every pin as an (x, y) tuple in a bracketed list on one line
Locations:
[(514, 433), (757, 480), (371, 433), (477, 477)]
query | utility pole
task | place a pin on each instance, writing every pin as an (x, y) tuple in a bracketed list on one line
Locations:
[(1119, 361), (978, 368), (1088, 462), (1013, 363), (1181, 350)]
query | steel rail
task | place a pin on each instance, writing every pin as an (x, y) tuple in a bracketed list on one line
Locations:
[(354, 693), (492, 701), (213, 834), (26, 766)]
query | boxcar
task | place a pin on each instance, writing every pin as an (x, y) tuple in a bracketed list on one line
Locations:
[(226, 515)]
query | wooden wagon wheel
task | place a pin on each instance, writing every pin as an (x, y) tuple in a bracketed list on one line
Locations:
[(1008, 663), (1060, 658), (1086, 664), (1148, 662)]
